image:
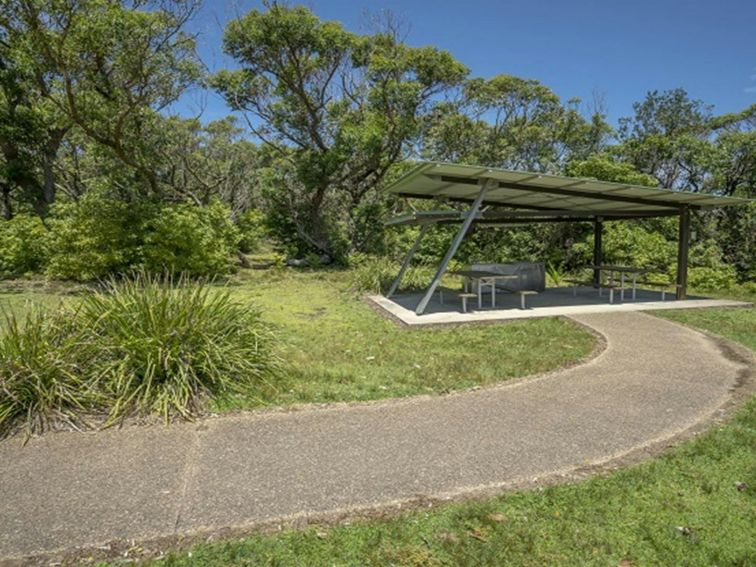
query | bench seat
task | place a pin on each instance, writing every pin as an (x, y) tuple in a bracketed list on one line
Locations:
[(523, 293), (663, 287)]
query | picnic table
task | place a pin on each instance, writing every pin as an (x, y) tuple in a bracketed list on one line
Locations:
[(622, 271), (482, 278)]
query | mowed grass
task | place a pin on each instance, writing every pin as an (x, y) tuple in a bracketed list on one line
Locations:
[(334, 347), (18, 300), (694, 506), (736, 323)]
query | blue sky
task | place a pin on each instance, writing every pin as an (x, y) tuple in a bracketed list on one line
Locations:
[(618, 49)]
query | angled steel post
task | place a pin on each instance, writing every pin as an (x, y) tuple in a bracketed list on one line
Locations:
[(407, 260), (683, 244), (488, 184)]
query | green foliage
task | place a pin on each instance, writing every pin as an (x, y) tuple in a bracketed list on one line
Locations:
[(554, 274), (511, 122), (712, 279), (23, 245), (734, 234), (99, 235), (194, 240), (41, 362), (94, 237), (375, 274), (634, 244), (252, 230), (143, 345), (605, 168)]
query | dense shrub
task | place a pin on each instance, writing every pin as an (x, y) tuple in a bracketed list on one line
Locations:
[(636, 244), (142, 345), (94, 237), (711, 279), (23, 244), (98, 236), (252, 230), (198, 241)]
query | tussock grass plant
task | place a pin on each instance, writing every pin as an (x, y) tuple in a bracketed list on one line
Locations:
[(164, 346), (141, 345), (42, 372)]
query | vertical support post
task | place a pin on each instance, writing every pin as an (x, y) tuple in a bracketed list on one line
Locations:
[(454, 246), (407, 260), (683, 244), (598, 233)]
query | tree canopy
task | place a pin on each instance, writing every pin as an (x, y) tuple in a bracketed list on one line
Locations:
[(341, 108), (93, 153)]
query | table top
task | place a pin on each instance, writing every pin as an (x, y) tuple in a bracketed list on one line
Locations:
[(627, 269), (483, 274)]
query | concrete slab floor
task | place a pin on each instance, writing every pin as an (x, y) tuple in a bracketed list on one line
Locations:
[(551, 303)]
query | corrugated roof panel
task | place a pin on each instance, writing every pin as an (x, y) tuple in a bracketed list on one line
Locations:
[(572, 193)]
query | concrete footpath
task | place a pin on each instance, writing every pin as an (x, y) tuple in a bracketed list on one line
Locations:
[(654, 381)]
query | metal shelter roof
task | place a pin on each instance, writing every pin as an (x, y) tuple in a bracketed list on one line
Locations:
[(551, 196)]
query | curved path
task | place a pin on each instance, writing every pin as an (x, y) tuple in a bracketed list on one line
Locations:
[(655, 380)]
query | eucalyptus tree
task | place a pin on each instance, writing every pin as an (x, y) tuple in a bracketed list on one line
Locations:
[(213, 161), (339, 108), (108, 68), (515, 123), (732, 159), (668, 137), (31, 129), (530, 128), (732, 171)]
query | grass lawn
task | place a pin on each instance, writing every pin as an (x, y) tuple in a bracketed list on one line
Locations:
[(736, 323), (334, 347), (684, 508)]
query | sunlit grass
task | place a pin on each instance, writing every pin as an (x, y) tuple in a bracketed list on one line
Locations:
[(738, 323), (335, 347)]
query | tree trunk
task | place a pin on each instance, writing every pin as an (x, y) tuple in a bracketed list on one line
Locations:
[(7, 204), (318, 233), (48, 161)]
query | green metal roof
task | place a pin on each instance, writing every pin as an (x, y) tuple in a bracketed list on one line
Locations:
[(550, 194)]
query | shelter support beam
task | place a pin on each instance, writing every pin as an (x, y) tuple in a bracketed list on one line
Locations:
[(454, 246), (407, 260), (598, 233), (683, 245)]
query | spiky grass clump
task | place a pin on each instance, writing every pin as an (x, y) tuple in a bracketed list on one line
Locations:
[(165, 347), (144, 345), (41, 378)]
